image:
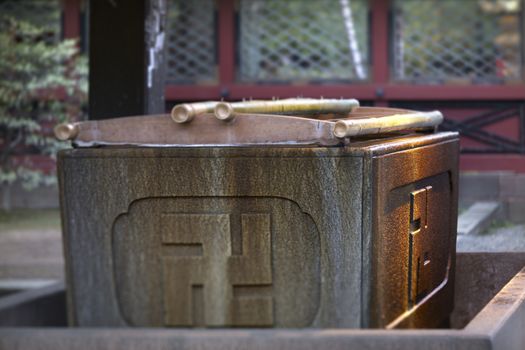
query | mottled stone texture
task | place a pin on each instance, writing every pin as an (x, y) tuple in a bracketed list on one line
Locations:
[(262, 237), (480, 276)]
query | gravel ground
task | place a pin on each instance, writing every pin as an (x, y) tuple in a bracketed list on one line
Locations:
[(31, 254), (504, 239)]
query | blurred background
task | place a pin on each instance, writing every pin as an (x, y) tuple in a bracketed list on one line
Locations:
[(463, 57)]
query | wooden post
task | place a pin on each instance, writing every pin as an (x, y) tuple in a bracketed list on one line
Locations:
[(126, 58), (380, 35), (226, 32), (71, 22)]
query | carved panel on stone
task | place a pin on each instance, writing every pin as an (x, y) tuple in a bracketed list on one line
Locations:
[(216, 262), (420, 254), (211, 275)]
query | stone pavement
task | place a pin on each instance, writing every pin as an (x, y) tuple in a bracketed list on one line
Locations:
[(31, 254), (478, 217)]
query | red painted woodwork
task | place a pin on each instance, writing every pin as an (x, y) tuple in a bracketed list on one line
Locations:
[(492, 162), (380, 35), (456, 93), (71, 10), (379, 89), (240, 91), (226, 31), (508, 127), (360, 91)]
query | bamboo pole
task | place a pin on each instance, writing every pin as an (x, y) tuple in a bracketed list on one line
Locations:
[(184, 113), (295, 106), (66, 131), (379, 125)]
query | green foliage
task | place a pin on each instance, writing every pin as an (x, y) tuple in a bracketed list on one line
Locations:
[(42, 82)]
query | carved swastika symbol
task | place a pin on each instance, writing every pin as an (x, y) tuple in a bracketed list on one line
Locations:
[(204, 283), (420, 283)]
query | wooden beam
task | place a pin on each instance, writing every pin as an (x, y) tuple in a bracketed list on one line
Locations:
[(125, 76), (492, 162), (395, 92)]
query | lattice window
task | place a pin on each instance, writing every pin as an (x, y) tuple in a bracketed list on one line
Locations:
[(41, 13), (297, 40), (191, 42), (475, 41)]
